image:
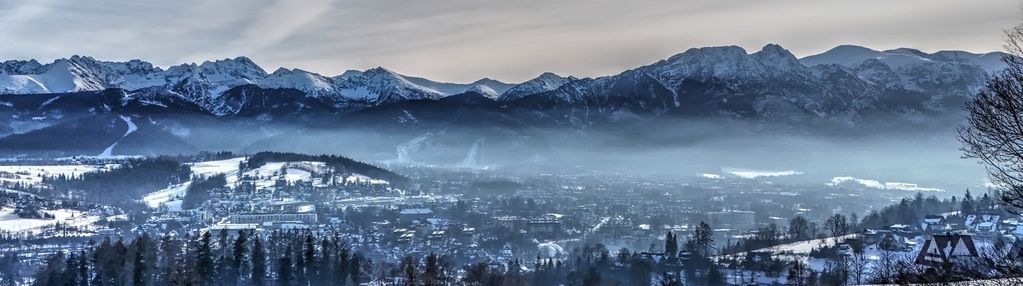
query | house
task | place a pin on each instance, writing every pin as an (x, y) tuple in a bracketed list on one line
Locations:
[(944, 249), (547, 224), (414, 214), (982, 223), (893, 241), (933, 223)]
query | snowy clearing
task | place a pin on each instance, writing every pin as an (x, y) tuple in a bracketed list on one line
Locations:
[(228, 167), (10, 222), (35, 174), (171, 193), (875, 184), (753, 174)]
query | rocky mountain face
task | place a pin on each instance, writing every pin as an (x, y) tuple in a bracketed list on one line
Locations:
[(205, 83), (191, 105)]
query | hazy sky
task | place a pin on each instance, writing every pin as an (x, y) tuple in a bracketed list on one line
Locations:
[(463, 40)]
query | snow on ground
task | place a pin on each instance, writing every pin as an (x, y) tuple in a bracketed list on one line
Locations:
[(710, 176), (265, 176), (12, 223), (131, 128), (804, 247), (753, 174), (35, 174), (360, 179), (875, 184), (169, 194), (228, 167)]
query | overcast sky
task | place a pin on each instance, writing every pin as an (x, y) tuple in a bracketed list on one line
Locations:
[(464, 40)]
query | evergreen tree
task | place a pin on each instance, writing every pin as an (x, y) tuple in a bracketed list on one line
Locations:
[(139, 263), (967, 206), (258, 262), (671, 244), (204, 267), (714, 276), (309, 254), (169, 249), (284, 273), (408, 270), (237, 272), (703, 239), (355, 270), (52, 272)]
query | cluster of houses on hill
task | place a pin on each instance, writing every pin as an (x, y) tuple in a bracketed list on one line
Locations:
[(940, 240), (988, 226)]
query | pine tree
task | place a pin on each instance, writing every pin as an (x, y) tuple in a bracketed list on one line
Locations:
[(310, 259), (204, 267), (52, 272), (703, 239), (83, 269), (408, 270), (169, 249), (284, 274), (258, 262), (714, 276), (355, 270), (671, 244), (432, 271), (326, 275), (967, 206), (139, 263), (238, 260)]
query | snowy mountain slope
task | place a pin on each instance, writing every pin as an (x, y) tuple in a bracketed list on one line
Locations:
[(310, 83), (845, 84), (484, 90), (380, 85), (545, 82), (904, 58), (448, 88)]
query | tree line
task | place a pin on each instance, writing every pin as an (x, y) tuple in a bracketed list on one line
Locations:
[(279, 258)]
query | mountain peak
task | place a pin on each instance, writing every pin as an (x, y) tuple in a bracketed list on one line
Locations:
[(545, 82), (484, 90), (348, 73), (775, 56), (774, 49)]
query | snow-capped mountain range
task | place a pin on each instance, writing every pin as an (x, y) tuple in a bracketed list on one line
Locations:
[(206, 82), (191, 107), (832, 83)]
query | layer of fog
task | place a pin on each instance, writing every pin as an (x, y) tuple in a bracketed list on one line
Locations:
[(930, 159)]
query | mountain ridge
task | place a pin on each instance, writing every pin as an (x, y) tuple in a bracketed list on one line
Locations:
[(841, 89)]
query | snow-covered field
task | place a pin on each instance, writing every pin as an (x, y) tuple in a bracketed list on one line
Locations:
[(12, 223), (360, 179), (804, 247), (264, 177), (35, 174), (875, 184), (228, 167), (167, 196), (267, 175), (753, 174), (710, 176)]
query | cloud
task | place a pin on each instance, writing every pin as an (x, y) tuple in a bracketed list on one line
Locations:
[(274, 23), (463, 40)]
